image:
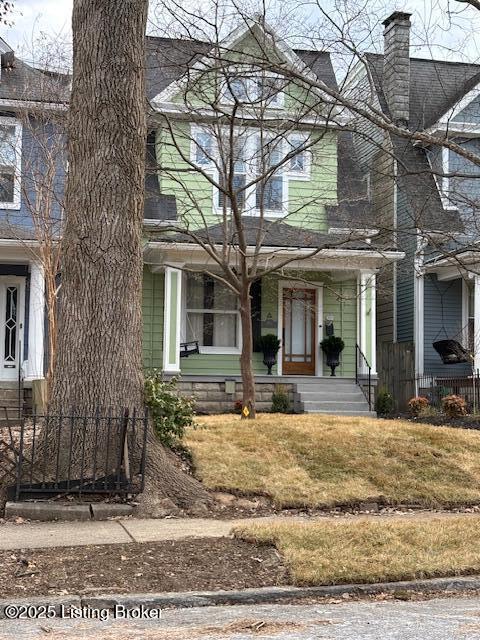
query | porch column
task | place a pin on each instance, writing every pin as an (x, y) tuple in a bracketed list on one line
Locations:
[(172, 320), (476, 323), (36, 323), (367, 329)]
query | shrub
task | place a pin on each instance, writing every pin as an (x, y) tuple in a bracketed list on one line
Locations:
[(417, 405), (269, 342), (280, 400), (454, 406), (171, 413), (332, 344), (384, 403)]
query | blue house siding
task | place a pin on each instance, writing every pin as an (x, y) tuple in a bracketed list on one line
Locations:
[(443, 308), (36, 136), (407, 242)]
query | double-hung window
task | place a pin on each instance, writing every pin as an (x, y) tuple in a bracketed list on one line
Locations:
[(253, 87), (212, 316), (10, 163), (269, 192), (239, 176)]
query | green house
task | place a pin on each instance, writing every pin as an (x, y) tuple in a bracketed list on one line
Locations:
[(240, 147)]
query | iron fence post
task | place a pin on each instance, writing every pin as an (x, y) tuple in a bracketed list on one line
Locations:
[(20, 461)]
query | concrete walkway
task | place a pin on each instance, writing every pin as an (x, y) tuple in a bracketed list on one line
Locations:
[(68, 534), (35, 535)]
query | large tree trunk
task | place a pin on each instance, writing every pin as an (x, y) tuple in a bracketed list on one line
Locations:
[(99, 357), (246, 368)]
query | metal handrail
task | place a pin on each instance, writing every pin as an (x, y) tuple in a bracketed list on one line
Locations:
[(361, 362)]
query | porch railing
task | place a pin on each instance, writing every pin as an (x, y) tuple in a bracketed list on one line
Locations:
[(363, 375)]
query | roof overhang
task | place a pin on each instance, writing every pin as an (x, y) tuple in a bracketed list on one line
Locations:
[(160, 254)]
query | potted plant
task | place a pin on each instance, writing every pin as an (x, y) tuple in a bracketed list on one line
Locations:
[(332, 347), (269, 345)]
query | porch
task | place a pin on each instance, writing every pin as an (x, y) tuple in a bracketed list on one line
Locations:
[(180, 306)]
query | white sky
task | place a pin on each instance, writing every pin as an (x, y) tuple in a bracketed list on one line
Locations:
[(451, 25)]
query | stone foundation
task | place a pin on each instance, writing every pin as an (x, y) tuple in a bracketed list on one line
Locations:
[(211, 397)]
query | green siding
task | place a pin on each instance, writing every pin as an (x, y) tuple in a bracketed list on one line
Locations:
[(340, 300), (152, 309)]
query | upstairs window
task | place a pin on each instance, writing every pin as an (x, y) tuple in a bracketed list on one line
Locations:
[(254, 88), (269, 193), (10, 163), (203, 148), (300, 162), (239, 178)]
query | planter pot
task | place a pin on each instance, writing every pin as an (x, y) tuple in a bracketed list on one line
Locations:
[(333, 360), (269, 360)]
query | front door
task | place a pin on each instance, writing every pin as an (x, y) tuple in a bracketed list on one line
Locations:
[(11, 319), (299, 335)]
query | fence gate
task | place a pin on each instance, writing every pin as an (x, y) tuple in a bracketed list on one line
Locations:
[(396, 371)]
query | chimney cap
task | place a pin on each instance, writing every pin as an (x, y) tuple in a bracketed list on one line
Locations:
[(397, 16)]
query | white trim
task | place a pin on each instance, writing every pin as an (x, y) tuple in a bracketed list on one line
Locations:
[(36, 338), (362, 294), (476, 324), (318, 287), (465, 310), (171, 367), (373, 323), (6, 121), (419, 307)]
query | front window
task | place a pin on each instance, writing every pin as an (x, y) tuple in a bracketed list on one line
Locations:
[(299, 163), (212, 316), (203, 148), (9, 163), (251, 87)]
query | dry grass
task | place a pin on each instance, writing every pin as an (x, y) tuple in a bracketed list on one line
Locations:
[(318, 461), (333, 552)]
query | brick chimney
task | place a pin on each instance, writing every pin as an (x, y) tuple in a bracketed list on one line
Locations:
[(396, 66)]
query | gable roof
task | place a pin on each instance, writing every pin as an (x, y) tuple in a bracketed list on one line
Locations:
[(435, 86), (168, 60), (21, 81)]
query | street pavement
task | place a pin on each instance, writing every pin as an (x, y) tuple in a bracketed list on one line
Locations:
[(437, 619)]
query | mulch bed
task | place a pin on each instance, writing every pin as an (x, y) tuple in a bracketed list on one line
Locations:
[(186, 565), (465, 422)]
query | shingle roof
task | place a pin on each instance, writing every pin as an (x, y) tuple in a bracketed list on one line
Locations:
[(435, 86), (277, 234), (24, 82)]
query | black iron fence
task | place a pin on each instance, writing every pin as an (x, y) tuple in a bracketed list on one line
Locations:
[(363, 375), (437, 387), (74, 454)]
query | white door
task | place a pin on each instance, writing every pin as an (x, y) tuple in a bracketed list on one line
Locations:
[(12, 312)]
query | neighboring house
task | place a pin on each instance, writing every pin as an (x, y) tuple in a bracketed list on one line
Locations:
[(429, 296), (317, 199)]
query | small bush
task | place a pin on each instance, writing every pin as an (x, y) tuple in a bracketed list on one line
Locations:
[(280, 400), (384, 403), (417, 405), (171, 413), (429, 412), (454, 406)]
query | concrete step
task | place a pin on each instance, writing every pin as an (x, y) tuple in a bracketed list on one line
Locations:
[(365, 414), (332, 405), (8, 393), (328, 388), (348, 395)]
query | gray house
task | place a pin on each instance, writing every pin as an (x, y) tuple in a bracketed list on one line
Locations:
[(426, 197)]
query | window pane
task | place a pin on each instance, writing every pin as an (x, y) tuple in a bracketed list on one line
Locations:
[(203, 151), (225, 299), (225, 330), (239, 182), (272, 191), (298, 162), (6, 186), (237, 88), (7, 146), (269, 89), (195, 291)]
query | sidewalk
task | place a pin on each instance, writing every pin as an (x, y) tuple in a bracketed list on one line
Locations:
[(38, 535)]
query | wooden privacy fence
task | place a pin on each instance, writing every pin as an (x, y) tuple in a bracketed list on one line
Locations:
[(396, 371)]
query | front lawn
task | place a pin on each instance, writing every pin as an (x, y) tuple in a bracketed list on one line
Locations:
[(322, 461), (366, 551)]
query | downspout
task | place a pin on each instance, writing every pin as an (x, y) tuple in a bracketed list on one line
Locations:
[(419, 306)]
